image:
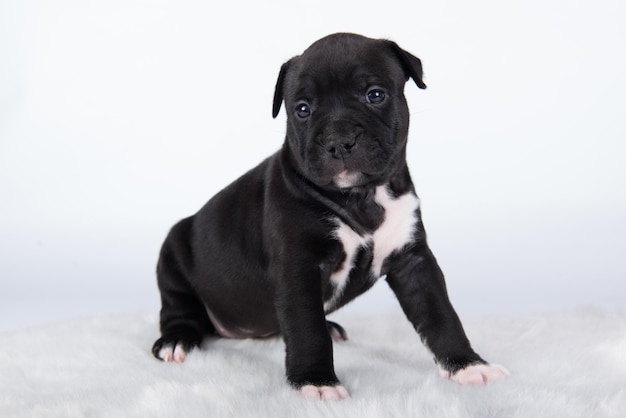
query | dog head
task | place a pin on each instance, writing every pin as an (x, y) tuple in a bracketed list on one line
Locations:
[(347, 118)]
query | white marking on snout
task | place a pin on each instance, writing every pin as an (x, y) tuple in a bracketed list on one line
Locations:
[(347, 179), (393, 234)]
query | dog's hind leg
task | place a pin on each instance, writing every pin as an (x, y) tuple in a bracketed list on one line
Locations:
[(184, 321)]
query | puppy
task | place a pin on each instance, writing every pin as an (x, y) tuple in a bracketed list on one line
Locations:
[(315, 225)]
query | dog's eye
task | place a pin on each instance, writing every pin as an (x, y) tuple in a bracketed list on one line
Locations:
[(375, 96), (303, 110)]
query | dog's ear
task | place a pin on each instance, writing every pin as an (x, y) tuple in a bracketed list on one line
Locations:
[(411, 64), (278, 92)]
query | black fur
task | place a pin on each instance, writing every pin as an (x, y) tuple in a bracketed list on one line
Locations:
[(256, 260)]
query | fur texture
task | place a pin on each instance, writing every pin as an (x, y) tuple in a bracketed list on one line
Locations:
[(564, 365)]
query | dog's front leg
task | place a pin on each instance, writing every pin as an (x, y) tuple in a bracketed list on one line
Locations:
[(309, 350), (418, 282)]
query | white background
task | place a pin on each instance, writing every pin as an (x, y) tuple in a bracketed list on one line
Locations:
[(119, 117)]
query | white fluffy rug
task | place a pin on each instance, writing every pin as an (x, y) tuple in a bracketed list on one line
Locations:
[(564, 365)]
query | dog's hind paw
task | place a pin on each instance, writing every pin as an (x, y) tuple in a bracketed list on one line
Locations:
[(172, 350), (324, 392), (337, 333), (476, 374)]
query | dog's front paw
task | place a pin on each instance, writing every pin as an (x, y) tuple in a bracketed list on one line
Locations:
[(476, 374), (173, 349), (324, 392)]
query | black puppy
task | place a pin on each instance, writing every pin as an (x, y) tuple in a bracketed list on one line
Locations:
[(315, 225)]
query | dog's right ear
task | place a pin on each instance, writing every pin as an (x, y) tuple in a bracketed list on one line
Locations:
[(278, 92)]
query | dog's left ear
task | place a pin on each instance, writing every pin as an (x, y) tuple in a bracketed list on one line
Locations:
[(278, 92), (411, 64)]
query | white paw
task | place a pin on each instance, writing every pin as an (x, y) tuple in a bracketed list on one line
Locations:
[(324, 392), (171, 354), (478, 374)]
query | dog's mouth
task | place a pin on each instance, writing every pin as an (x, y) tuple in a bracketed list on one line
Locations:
[(367, 163), (347, 179)]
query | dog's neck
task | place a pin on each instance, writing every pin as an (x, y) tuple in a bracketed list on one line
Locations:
[(355, 206)]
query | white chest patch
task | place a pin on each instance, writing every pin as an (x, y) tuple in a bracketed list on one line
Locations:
[(393, 234)]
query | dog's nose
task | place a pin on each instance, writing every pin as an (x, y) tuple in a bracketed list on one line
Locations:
[(340, 146)]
